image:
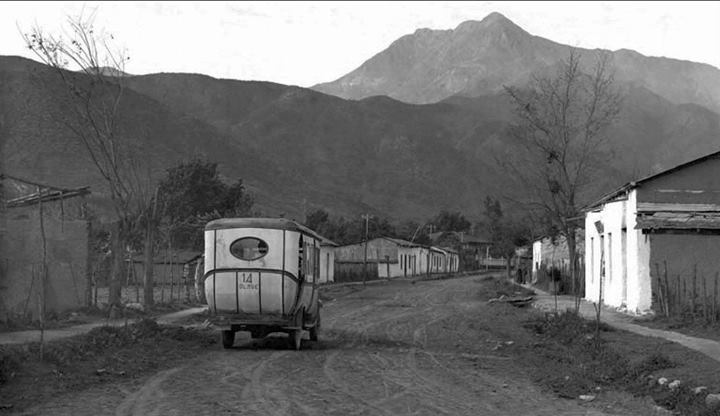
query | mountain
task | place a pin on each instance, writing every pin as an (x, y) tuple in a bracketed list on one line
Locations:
[(407, 159), (37, 145), (479, 57), (377, 155), (298, 149)]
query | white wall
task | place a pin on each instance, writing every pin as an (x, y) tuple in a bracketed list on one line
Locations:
[(537, 258), (415, 263), (638, 255), (627, 277), (327, 264)]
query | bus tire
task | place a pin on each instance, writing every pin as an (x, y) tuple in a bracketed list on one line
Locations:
[(315, 330), (228, 339)]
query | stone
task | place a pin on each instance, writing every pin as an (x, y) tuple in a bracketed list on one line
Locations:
[(674, 385), (713, 401), (135, 306), (661, 411), (699, 390), (587, 397), (662, 381)]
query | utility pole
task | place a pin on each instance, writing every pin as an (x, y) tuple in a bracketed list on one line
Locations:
[(366, 217)]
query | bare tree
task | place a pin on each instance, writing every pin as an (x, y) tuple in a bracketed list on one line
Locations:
[(92, 78), (560, 126)]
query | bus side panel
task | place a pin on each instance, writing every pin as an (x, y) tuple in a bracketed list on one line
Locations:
[(220, 292)]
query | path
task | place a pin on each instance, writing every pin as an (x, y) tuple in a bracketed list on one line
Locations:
[(622, 321), (22, 337)]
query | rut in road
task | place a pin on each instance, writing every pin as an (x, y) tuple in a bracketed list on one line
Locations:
[(391, 349)]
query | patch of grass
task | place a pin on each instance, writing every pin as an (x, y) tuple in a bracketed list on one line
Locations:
[(102, 355), (571, 361), (496, 286), (652, 363)]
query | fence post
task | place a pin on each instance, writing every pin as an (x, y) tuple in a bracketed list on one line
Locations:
[(694, 290), (668, 298), (715, 298), (705, 300), (678, 299), (659, 291)]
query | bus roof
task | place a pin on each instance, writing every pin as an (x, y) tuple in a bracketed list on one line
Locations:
[(271, 223)]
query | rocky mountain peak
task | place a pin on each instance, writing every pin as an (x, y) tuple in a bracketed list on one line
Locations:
[(492, 21)]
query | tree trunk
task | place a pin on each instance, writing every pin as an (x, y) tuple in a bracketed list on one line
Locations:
[(509, 267), (116, 275), (572, 255), (148, 278), (89, 261), (199, 283)]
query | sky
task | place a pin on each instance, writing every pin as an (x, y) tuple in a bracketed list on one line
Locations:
[(304, 43)]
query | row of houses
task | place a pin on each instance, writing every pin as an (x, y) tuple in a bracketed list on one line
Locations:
[(386, 257), (650, 240)]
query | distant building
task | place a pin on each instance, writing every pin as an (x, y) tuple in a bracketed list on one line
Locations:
[(387, 257), (671, 218), (171, 269), (392, 257), (552, 252), (327, 261), (473, 251), (550, 265), (60, 235)]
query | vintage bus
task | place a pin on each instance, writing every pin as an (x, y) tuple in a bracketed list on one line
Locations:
[(261, 276)]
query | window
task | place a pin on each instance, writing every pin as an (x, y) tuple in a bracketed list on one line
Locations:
[(249, 248)]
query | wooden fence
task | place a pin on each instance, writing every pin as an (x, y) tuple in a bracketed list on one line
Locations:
[(690, 296), (555, 278), (355, 271)]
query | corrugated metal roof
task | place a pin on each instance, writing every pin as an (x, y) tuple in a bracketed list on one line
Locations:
[(670, 207), (679, 221), (401, 242), (462, 237), (631, 185)]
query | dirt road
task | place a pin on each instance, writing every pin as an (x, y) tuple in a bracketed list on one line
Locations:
[(431, 348)]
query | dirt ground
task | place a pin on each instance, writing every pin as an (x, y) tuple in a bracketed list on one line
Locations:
[(398, 348)]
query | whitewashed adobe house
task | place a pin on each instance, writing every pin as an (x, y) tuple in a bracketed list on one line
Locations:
[(550, 252), (327, 261), (671, 218)]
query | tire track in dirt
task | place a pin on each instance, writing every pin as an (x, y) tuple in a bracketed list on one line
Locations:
[(262, 394), (144, 401), (381, 353)]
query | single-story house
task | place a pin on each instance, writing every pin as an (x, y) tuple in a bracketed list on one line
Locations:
[(667, 221), (169, 266), (552, 253), (327, 261), (386, 257), (448, 260), (473, 250), (389, 257)]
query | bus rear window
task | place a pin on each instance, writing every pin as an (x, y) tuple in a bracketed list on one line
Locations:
[(249, 248)]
